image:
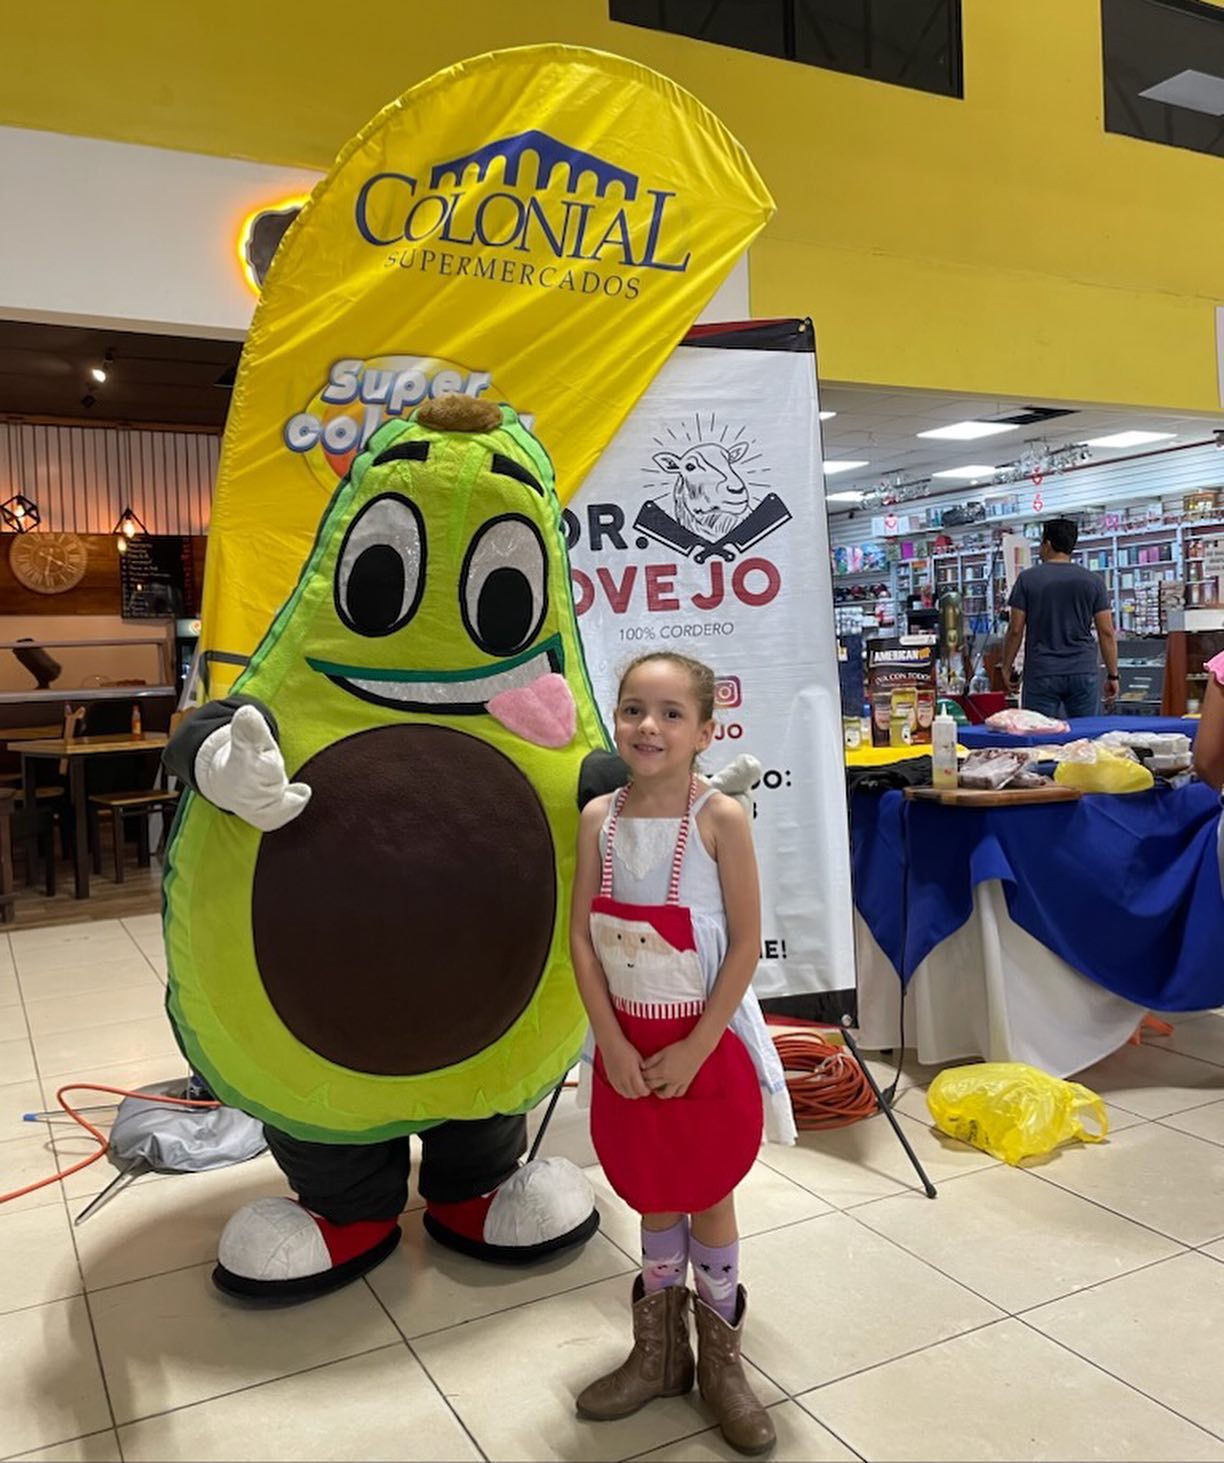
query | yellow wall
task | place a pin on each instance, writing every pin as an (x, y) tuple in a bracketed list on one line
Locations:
[(1002, 244)]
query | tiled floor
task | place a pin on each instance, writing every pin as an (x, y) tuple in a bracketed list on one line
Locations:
[(1071, 1310)]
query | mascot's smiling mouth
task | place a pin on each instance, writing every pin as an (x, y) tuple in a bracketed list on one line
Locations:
[(527, 693)]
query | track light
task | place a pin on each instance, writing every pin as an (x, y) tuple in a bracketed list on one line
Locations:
[(100, 373)]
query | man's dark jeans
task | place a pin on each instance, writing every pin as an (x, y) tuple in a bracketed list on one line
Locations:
[(1062, 696)]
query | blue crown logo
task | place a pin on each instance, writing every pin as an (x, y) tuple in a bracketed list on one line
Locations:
[(549, 154)]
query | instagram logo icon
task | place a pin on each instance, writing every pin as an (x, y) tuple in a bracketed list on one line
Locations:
[(728, 693)]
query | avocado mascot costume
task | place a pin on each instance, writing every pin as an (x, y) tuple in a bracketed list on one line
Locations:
[(366, 895)]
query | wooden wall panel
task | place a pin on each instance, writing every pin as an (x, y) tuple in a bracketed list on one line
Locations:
[(98, 593)]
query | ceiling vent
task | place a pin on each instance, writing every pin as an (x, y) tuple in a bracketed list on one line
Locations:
[(1033, 415)]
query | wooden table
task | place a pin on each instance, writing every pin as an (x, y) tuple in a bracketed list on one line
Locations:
[(74, 752)]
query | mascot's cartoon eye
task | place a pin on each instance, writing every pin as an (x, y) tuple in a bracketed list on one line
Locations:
[(503, 589), (380, 574)]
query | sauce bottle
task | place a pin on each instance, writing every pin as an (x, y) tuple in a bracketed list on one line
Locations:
[(943, 749)]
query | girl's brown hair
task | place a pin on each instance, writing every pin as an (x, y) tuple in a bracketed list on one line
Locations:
[(701, 676)]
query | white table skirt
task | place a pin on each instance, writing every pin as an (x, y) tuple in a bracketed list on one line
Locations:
[(991, 990)]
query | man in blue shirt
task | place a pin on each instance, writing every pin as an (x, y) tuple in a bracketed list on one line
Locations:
[(1054, 607)]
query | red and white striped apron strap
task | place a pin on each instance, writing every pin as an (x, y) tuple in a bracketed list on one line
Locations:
[(605, 882), (673, 887)]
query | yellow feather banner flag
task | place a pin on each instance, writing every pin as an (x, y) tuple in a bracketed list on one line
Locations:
[(539, 226)]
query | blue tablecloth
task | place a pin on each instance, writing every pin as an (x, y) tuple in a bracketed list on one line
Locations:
[(1126, 889), (1084, 726)]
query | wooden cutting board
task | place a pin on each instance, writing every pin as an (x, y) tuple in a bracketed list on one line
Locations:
[(985, 797)]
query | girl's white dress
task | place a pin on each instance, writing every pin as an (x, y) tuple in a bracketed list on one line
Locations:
[(641, 868)]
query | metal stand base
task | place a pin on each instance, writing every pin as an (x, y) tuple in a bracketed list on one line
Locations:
[(887, 1111)]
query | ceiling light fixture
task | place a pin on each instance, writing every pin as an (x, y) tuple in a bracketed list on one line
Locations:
[(826, 415), (127, 528), (970, 471), (969, 431), (848, 497), (1040, 460), (100, 373), (845, 465), (1129, 439), (20, 513)]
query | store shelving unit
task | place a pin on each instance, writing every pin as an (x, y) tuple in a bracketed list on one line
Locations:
[(967, 571), (1150, 563), (859, 616)]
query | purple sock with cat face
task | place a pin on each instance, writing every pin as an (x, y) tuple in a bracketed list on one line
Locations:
[(716, 1276), (664, 1256)]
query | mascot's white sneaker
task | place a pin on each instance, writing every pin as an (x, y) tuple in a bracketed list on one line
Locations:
[(545, 1206), (273, 1250)]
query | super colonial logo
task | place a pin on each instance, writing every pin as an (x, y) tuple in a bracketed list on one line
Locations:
[(588, 226)]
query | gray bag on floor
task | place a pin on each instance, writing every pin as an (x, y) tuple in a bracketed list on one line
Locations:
[(157, 1137)]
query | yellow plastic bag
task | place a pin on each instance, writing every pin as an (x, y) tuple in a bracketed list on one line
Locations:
[(1104, 772), (1013, 1111)]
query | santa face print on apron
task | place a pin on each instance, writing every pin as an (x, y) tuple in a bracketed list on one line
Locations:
[(673, 1154)]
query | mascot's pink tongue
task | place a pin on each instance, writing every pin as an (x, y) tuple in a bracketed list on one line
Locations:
[(542, 713)]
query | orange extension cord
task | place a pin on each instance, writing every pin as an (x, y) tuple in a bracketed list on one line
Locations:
[(826, 1085), (103, 1140), (827, 1088)]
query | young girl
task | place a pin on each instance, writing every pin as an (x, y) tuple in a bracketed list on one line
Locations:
[(665, 935)]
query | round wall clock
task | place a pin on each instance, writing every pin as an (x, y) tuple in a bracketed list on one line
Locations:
[(47, 563)]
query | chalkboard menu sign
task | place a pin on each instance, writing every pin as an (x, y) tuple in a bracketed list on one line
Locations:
[(157, 578)]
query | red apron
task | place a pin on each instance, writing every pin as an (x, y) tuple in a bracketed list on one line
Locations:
[(674, 1154)]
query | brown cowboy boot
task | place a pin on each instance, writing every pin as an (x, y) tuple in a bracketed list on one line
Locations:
[(660, 1364), (744, 1422)]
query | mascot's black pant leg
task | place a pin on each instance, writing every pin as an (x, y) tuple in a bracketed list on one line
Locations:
[(347, 1182), (461, 1160)]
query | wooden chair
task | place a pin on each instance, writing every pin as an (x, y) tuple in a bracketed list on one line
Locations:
[(51, 809), (139, 804)]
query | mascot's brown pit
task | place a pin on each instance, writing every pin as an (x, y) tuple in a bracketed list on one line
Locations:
[(392, 975)]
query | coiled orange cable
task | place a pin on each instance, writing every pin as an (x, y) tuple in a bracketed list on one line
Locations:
[(826, 1085)]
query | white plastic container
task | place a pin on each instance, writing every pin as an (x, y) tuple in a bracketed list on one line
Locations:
[(943, 750)]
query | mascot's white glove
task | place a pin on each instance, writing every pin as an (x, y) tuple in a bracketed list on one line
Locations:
[(736, 778), (240, 768)]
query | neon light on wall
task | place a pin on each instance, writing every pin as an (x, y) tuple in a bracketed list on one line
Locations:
[(260, 234)]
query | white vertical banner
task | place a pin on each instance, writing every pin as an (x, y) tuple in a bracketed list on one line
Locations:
[(702, 529)]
